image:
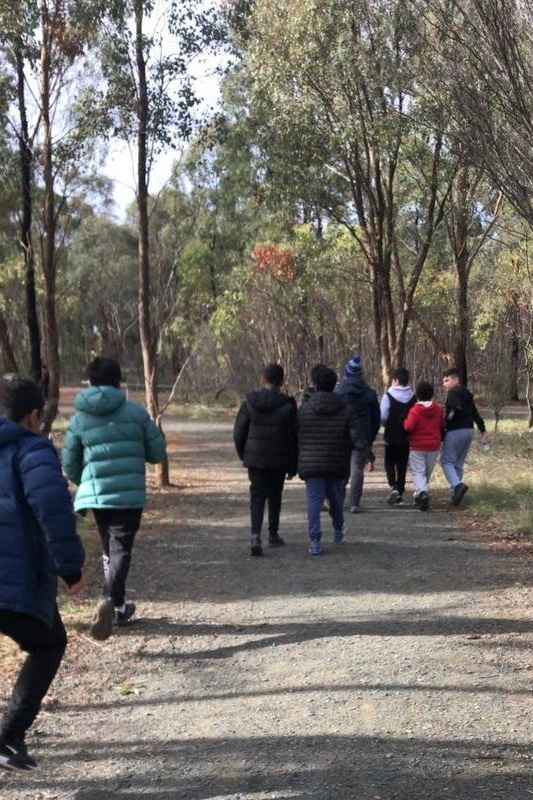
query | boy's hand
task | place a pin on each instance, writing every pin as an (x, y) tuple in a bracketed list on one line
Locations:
[(75, 588)]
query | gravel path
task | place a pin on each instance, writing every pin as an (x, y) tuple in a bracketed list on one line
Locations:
[(394, 667)]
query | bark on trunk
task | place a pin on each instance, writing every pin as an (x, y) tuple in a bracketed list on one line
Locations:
[(148, 340), (49, 224), (9, 362), (26, 243)]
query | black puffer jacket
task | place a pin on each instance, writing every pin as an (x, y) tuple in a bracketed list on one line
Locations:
[(328, 430), (265, 431)]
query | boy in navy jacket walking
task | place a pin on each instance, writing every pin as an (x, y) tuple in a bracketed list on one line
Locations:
[(38, 542)]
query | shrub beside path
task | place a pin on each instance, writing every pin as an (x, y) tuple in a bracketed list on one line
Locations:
[(397, 666)]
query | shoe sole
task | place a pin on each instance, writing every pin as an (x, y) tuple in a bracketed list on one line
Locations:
[(276, 543), (256, 551), (393, 498), (13, 768), (456, 500), (102, 624)]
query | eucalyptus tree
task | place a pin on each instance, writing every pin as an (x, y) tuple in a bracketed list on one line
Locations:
[(18, 23), (345, 130), (146, 60), (45, 42), (484, 53)]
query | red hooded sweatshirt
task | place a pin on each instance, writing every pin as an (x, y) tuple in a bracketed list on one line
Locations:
[(424, 424)]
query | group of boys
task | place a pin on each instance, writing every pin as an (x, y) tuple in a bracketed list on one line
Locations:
[(108, 441), (328, 442), (417, 429)]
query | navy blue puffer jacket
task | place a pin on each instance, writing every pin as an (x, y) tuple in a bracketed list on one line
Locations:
[(38, 538)]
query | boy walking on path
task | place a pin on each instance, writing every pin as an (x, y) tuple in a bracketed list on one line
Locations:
[(265, 439), (38, 542), (395, 405), (328, 430), (460, 415), (424, 425), (364, 401), (107, 444)]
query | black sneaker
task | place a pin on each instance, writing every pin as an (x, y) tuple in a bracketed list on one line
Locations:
[(103, 619), (256, 549), (275, 541), (459, 492), (15, 757), (122, 618), (423, 501), (393, 497)]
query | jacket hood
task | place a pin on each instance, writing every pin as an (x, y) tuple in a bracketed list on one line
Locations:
[(428, 408), (266, 400), (99, 400), (401, 393), (462, 392), (326, 403), (11, 432), (354, 385)]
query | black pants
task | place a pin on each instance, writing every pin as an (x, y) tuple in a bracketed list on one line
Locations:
[(396, 459), (45, 647), (117, 528), (266, 485)]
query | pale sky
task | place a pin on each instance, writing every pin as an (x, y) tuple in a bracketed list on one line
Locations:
[(121, 161)]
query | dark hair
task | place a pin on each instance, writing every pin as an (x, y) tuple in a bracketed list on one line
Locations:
[(19, 395), (323, 378), (273, 373), (104, 372), (424, 391), (401, 375), (452, 372)]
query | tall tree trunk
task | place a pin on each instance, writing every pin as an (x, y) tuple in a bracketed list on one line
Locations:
[(9, 363), (148, 340), (462, 269), (26, 244), (49, 223)]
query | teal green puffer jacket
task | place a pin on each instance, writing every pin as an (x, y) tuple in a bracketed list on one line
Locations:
[(107, 443)]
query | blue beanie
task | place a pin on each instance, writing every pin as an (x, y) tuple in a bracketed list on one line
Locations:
[(353, 366)]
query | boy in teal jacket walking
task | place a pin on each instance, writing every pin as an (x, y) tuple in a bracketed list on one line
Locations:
[(108, 442)]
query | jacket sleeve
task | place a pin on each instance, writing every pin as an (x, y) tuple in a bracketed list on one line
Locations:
[(453, 404), (241, 428), (155, 446), (72, 454), (355, 429), (46, 492), (384, 408), (292, 439), (409, 422), (375, 416), (478, 419)]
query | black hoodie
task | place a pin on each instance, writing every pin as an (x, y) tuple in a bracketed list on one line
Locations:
[(461, 411), (265, 431)]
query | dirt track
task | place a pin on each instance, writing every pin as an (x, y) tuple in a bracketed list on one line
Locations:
[(396, 666)]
